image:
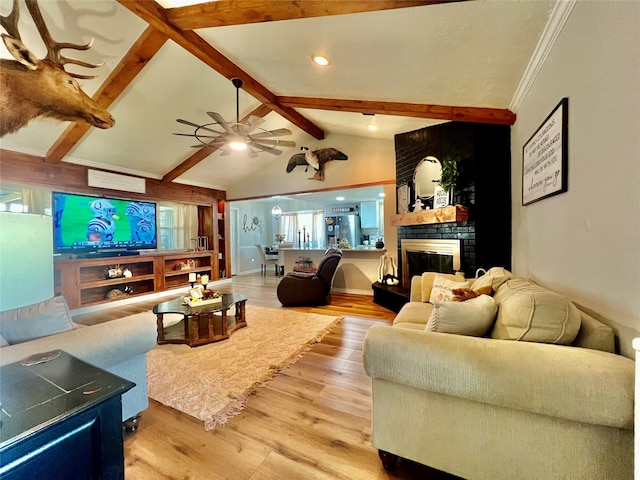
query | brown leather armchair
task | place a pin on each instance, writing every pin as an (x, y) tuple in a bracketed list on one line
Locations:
[(298, 288)]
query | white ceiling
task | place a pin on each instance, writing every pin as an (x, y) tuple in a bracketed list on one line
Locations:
[(460, 54)]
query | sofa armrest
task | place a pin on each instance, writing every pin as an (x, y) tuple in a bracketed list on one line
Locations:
[(103, 345), (415, 291), (573, 383)]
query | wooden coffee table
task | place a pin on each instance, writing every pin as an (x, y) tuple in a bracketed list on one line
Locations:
[(202, 324)]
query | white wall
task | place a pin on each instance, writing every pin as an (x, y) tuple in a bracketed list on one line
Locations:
[(586, 242), (370, 161)]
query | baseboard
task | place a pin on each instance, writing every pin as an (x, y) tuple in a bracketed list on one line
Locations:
[(353, 291)]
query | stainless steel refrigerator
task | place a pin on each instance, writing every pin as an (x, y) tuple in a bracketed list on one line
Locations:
[(343, 226)]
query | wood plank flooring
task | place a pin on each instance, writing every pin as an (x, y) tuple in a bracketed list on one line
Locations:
[(311, 422)]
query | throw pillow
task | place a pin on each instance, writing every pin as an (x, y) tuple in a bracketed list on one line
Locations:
[(495, 277), (464, 294), (531, 313), (473, 317), (442, 289), (427, 279), (35, 321)]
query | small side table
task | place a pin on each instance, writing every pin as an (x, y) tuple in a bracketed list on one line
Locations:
[(392, 297), (61, 419)]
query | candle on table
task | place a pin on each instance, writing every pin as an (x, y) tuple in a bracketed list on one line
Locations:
[(192, 277), (204, 279)]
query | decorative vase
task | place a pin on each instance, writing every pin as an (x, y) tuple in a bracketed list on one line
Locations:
[(379, 243)]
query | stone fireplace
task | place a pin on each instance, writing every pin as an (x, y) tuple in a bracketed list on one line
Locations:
[(433, 255)]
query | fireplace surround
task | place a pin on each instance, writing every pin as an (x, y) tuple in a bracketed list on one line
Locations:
[(421, 255)]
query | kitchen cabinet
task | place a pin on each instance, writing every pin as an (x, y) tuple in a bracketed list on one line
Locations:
[(369, 215)]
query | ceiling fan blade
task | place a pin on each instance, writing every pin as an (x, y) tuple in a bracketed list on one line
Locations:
[(264, 148), (221, 121), (273, 133), (191, 124), (194, 135), (252, 122), (275, 142)]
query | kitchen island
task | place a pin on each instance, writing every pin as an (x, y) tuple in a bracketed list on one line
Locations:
[(357, 270)]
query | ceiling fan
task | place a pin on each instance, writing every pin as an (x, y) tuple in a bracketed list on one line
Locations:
[(237, 136)]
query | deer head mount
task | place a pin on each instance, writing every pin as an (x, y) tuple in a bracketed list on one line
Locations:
[(32, 87)]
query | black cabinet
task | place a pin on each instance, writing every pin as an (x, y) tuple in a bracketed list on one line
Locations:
[(61, 420)]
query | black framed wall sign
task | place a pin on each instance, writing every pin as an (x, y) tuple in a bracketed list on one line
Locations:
[(545, 157)]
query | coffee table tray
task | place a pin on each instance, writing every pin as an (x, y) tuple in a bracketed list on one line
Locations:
[(198, 303)]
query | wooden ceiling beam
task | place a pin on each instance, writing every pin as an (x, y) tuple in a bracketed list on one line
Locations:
[(131, 64), (242, 12), (436, 112), (155, 15), (204, 152)]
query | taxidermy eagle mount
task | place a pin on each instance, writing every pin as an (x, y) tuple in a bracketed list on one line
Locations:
[(315, 160)]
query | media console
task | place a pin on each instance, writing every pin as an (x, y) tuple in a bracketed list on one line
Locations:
[(85, 281)]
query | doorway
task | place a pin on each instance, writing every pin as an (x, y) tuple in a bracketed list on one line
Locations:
[(233, 233)]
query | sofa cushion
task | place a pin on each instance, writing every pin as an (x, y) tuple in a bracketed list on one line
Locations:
[(427, 280), (35, 321), (473, 317), (495, 277), (3, 341), (442, 289), (531, 313)]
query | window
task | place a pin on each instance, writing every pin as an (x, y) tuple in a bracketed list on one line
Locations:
[(293, 224), (178, 225), (167, 228)]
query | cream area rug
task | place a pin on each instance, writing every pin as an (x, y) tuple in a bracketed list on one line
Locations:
[(212, 382)]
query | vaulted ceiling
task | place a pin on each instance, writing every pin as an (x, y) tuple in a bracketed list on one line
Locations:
[(411, 63)]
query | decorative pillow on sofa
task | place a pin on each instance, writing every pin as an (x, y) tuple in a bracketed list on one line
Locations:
[(531, 313), (442, 289), (464, 294), (473, 317), (495, 277), (35, 321)]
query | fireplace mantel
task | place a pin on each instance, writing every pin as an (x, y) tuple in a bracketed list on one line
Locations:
[(457, 213)]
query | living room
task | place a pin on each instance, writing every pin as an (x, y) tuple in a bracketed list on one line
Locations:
[(582, 242)]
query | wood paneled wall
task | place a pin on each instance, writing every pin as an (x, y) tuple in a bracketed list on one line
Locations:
[(31, 170)]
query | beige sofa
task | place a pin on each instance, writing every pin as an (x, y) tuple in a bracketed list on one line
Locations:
[(488, 407)]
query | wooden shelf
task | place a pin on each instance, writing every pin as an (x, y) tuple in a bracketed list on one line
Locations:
[(457, 213), (83, 282)]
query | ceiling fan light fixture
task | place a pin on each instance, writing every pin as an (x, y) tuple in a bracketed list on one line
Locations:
[(321, 60), (238, 136), (238, 145)]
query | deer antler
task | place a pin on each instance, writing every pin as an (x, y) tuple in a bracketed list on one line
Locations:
[(10, 22), (54, 48)]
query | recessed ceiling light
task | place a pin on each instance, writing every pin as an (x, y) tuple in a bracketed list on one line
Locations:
[(372, 127), (321, 60), (339, 198), (381, 194)]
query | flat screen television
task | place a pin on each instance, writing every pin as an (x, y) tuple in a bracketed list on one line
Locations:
[(88, 224)]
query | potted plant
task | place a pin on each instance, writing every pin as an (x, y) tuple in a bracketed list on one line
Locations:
[(450, 172)]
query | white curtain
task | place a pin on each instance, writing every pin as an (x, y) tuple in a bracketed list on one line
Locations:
[(289, 227), (317, 229), (186, 221), (36, 201)]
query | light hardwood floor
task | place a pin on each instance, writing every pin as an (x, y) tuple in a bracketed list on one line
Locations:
[(311, 422)]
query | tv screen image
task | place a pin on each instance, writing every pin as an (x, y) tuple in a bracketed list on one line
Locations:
[(84, 223)]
